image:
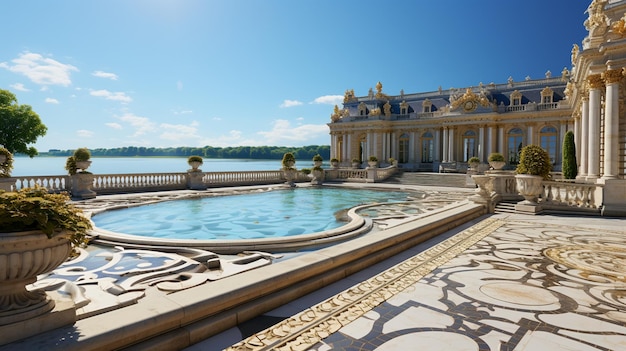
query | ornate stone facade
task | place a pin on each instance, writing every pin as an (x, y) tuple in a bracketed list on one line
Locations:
[(426, 129)]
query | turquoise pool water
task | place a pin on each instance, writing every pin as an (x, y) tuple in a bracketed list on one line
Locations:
[(275, 213)]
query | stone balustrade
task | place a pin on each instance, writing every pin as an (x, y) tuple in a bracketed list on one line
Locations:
[(105, 184), (54, 183), (561, 196)]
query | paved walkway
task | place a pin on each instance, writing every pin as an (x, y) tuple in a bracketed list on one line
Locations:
[(504, 282)]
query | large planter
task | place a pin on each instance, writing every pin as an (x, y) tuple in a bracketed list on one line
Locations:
[(24, 256), (529, 186), (372, 164), (83, 165), (195, 165), (497, 165)]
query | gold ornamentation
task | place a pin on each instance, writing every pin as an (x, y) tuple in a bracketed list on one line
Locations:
[(595, 81), (619, 27), (348, 96), (375, 111), (469, 101), (597, 22), (336, 115), (379, 92), (612, 76)]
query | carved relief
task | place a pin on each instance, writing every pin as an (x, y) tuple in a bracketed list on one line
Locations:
[(597, 23), (612, 76), (469, 101), (595, 81), (619, 27)]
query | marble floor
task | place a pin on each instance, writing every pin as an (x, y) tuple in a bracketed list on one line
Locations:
[(505, 282)]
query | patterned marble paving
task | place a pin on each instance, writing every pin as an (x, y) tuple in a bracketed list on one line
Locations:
[(500, 285)]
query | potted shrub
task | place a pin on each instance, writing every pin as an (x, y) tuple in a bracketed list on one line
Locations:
[(473, 162), (38, 233), (334, 162), (496, 160), (289, 160), (534, 166), (393, 161), (195, 162), (289, 171), (372, 161), (356, 162), (317, 160), (81, 157)]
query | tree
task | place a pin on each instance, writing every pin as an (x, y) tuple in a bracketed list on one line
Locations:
[(19, 125), (570, 168)]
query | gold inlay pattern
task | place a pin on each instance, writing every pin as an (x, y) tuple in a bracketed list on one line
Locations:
[(310, 326)]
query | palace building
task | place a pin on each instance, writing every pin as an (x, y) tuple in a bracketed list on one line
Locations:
[(426, 129)]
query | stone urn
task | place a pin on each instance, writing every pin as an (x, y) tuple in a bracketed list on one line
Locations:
[(372, 164), (24, 256), (334, 163), (530, 187), (195, 165), (355, 164), (83, 165), (497, 165)]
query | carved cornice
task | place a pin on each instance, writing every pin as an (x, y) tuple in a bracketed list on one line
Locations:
[(613, 76), (595, 81)]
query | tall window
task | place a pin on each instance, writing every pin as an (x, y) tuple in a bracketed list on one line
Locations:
[(547, 138), (403, 148), (362, 147), (514, 145), (469, 145), (516, 98), (427, 147)]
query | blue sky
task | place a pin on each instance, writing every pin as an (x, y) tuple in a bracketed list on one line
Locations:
[(160, 73)]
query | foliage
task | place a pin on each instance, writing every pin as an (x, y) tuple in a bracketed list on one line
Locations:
[(391, 160), (318, 158), (70, 165), (306, 171), (194, 159), (373, 158), (7, 166), (495, 157), (246, 152), (288, 160), (473, 159), (19, 125), (570, 167), (82, 154), (36, 209), (333, 160), (534, 160)]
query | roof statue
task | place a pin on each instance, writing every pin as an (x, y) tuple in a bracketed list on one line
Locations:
[(619, 27)]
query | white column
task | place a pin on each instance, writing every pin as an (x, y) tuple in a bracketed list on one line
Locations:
[(530, 135), (611, 124), (501, 140), (445, 145), (437, 153), (481, 144), (577, 137), (451, 144), (593, 166), (584, 139)]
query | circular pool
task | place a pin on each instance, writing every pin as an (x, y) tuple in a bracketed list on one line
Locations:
[(276, 216)]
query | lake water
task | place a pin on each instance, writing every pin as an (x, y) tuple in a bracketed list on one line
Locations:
[(38, 166)]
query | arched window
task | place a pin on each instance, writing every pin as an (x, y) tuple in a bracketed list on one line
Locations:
[(547, 139), (427, 147), (469, 145), (362, 109), (403, 148), (515, 143)]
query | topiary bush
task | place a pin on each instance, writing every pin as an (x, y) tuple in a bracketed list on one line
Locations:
[(534, 160), (570, 166)]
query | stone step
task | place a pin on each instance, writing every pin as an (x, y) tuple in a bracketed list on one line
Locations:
[(505, 207), (432, 179)]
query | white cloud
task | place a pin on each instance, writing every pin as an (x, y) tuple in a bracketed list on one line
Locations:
[(142, 125), (329, 100), (113, 125), (181, 112), (52, 101), (84, 133), (41, 70), (290, 103), (19, 86), (117, 96), (179, 132), (282, 131), (101, 74)]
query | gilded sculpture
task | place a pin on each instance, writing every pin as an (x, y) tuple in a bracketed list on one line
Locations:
[(348, 96), (619, 27), (469, 101)]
